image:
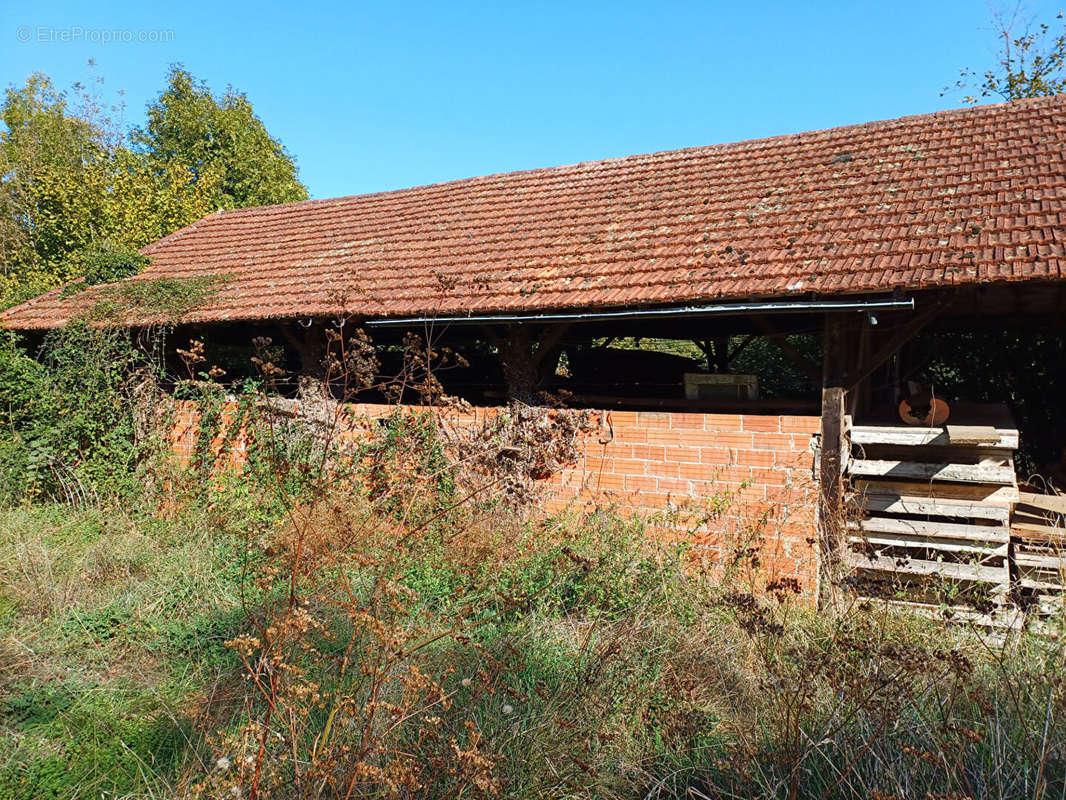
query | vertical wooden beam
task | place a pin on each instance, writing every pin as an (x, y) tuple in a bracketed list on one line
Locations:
[(525, 356), (836, 349)]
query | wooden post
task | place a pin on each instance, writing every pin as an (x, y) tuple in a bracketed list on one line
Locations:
[(519, 365), (525, 357), (309, 344), (830, 467)]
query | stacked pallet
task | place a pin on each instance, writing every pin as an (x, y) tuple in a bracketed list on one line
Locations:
[(929, 513), (1038, 540)]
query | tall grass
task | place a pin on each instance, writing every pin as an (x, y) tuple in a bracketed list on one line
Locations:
[(389, 620)]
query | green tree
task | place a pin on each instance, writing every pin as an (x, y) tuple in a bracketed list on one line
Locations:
[(77, 189), (221, 141), (1032, 61), (53, 163)]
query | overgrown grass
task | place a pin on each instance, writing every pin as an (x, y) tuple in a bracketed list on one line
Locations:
[(113, 624), (386, 618), (593, 665)]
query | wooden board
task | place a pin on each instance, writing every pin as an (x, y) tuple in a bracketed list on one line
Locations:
[(889, 503), (998, 495), (1042, 503), (979, 436), (938, 471), (907, 436), (1053, 563), (898, 541), (1043, 534), (1009, 617), (936, 452), (974, 573), (995, 534)]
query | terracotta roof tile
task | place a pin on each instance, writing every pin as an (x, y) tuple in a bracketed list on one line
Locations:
[(966, 196)]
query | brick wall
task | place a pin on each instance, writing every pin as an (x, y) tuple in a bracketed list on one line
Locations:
[(733, 483)]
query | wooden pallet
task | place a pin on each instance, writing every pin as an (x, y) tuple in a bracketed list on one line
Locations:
[(1038, 542), (930, 512)]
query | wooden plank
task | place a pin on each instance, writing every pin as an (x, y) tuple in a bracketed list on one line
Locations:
[(999, 495), (1051, 503), (998, 534), (1043, 519), (902, 541), (930, 506), (975, 573), (1037, 533), (939, 471), (1034, 561), (1012, 618), (908, 436), (830, 470), (974, 435), (1030, 582), (931, 453)]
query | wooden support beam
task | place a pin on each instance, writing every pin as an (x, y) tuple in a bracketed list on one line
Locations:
[(804, 364), (525, 353), (902, 335), (310, 346), (831, 495), (831, 511), (736, 351)]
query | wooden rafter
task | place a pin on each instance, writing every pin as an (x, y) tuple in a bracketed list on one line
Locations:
[(903, 335), (804, 364)]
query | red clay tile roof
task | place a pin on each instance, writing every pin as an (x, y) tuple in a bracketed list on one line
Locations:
[(967, 196)]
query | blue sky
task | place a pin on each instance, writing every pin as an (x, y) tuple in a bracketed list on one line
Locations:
[(371, 97)]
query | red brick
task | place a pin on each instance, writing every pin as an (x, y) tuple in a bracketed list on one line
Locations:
[(721, 422), (639, 483), (653, 419), (755, 458), (761, 422), (680, 420), (663, 469), (731, 440), (795, 460), (649, 452), (673, 486), (614, 448), (793, 424), (649, 501), (717, 455), (700, 472), (632, 435), (772, 441), (769, 477), (599, 464), (630, 466), (682, 454), (665, 437), (607, 481), (622, 419)]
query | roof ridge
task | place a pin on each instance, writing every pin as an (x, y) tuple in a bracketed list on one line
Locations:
[(148, 248), (761, 140)]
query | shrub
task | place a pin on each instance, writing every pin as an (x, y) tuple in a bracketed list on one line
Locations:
[(69, 415), (106, 262)]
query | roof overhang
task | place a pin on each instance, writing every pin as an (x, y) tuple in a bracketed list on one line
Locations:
[(695, 311)]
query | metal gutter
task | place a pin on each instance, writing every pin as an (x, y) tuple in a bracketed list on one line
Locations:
[(720, 309)]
